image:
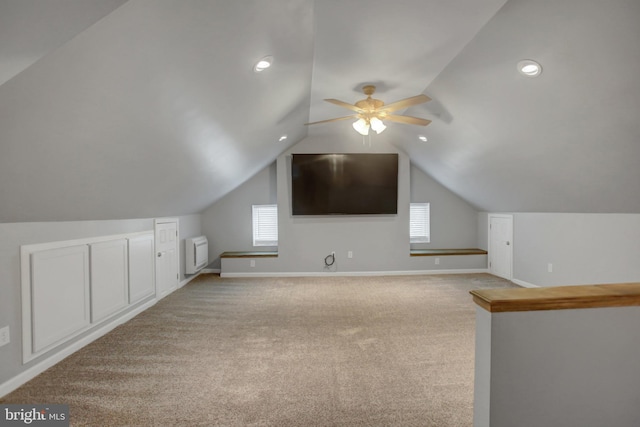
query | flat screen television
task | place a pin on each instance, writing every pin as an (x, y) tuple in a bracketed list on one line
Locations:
[(344, 184)]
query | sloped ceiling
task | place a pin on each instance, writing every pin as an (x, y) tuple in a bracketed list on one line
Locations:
[(29, 29), (566, 141), (151, 108)]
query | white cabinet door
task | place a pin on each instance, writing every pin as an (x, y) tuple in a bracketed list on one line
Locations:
[(141, 268), (59, 294), (109, 278)]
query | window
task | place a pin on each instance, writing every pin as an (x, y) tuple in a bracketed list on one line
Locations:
[(419, 229), (265, 225)]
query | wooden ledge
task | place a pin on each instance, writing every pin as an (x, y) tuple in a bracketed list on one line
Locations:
[(558, 297), (250, 254), (445, 252)]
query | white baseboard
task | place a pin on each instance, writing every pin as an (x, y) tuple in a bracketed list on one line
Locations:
[(210, 270), (20, 379), (190, 278), (524, 284), (355, 273)]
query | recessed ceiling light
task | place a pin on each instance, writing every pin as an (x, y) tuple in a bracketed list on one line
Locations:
[(263, 64), (282, 138), (529, 68), (422, 138)]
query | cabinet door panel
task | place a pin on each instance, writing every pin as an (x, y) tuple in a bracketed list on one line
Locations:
[(59, 294), (109, 278), (141, 268)]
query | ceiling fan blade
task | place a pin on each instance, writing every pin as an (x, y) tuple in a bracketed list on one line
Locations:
[(407, 120), (332, 120), (345, 105), (405, 103)]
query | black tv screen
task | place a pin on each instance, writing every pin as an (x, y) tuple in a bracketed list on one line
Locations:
[(344, 184)]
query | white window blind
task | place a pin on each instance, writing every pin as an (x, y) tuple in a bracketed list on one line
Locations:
[(419, 227), (265, 225)]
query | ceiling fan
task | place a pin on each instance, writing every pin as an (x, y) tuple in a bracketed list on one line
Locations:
[(370, 112)]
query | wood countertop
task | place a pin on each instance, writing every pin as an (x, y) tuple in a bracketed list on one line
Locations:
[(445, 252), (558, 297), (249, 254)]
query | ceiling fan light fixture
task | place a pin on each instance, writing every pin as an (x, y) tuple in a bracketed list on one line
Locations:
[(263, 64), (529, 68), (361, 126), (377, 125)]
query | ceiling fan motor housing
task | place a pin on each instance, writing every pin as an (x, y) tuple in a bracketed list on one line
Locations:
[(370, 104)]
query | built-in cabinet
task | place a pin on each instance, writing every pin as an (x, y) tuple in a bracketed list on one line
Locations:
[(70, 287)]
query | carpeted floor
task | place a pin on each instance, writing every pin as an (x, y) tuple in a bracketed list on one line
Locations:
[(329, 351)]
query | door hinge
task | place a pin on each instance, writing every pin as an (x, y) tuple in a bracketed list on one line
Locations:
[(178, 276)]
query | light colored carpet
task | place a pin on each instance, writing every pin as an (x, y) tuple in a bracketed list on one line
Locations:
[(329, 351)]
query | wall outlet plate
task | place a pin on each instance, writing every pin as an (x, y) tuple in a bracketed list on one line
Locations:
[(4, 336)]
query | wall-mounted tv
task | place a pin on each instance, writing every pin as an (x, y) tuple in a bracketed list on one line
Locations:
[(344, 184)]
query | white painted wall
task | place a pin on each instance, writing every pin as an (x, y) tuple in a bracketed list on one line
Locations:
[(13, 235), (582, 248)]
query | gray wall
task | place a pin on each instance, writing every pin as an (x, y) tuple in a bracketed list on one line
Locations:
[(227, 223), (13, 235), (378, 243), (569, 368), (583, 248), (453, 220)]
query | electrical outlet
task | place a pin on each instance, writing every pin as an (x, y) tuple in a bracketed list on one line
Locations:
[(4, 336), (252, 263), (437, 261), (550, 268), (350, 254)]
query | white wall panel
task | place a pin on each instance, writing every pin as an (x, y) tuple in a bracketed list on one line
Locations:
[(59, 294), (141, 268), (109, 278), (75, 287)]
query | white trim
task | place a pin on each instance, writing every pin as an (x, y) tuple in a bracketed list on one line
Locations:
[(27, 249), (524, 284), (355, 273), (25, 376), (190, 278), (210, 270)]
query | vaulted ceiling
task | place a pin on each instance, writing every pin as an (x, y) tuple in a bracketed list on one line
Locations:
[(116, 109)]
